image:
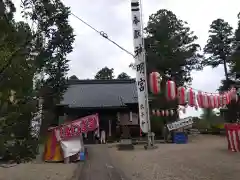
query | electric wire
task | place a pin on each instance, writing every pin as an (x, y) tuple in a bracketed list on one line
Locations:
[(102, 33)]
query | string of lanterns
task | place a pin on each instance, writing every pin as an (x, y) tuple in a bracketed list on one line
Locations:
[(189, 97), (168, 112)]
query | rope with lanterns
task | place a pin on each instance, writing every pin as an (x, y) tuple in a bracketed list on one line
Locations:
[(168, 112), (189, 97)]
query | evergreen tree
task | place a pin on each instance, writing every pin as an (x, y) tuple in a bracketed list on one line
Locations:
[(105, 73), (219, 45), (123, 75), (16, 96), (54, 39), (73, 77), (235, 64), (171, 51), (171, 48)]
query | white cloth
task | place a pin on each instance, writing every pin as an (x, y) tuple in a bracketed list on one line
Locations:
[(72, 146), (103, 137)]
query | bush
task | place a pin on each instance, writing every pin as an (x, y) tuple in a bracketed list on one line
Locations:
[(16, 141)]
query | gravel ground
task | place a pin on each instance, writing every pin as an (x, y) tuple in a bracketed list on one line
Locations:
[(203, 158), (44, 171)]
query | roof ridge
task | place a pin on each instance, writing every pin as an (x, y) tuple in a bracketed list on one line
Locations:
[(96, 81)]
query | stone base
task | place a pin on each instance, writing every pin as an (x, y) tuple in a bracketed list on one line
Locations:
[(150, 147), (126, 144)]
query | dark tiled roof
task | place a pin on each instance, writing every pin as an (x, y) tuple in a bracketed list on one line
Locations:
[(100, 93)]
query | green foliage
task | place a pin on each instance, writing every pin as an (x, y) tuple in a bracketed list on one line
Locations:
[(170, 47), (123, 75), (219, 45), (223, 48), (73, 77), (17, 71), (207, 114), (105, 73), (24, 53), (53, 41), (172, 51), (157, 124), (235, 64)]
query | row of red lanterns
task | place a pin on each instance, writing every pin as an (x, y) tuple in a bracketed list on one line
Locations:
[(168, 112), (157, 112), (189, 96)]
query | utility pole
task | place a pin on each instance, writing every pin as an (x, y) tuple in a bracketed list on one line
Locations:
[(141, 71)]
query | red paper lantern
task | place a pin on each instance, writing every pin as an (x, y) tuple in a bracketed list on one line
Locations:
[(166, 113), (226, 99), (171, 90), (216, 101), (155, 82), (182, 95), (221, 104), (153, 112), (211, 103), (158, 113), (191, 98), (233, 94), (205, 101), (163, 113), (200, 99)]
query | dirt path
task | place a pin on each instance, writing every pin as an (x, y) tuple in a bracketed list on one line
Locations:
[(99, 165)]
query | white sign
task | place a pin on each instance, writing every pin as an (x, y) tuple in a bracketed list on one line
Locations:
[(180, 124), (140, 65)]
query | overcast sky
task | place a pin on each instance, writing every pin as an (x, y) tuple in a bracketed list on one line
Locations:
[(92, 52)]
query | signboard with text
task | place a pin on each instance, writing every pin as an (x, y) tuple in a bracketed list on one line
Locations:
[(180, 124), (77, 127)]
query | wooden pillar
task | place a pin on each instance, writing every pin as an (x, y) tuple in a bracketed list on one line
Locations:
[(130, 116), (109, 128)]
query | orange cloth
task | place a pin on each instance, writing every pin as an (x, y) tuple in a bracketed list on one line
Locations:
[(53, 151)]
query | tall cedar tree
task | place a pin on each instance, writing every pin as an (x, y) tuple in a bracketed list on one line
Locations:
[(233, 110), (219, 46), (105, 73), (222, 47), (123, 75), (17, 70), (235, 66), (170, 50), (54, 39)]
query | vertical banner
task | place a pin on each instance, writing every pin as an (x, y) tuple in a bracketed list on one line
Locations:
[(37, 119), (140, 65)]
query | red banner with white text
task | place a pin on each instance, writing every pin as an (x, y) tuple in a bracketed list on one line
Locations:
[(77, 127)]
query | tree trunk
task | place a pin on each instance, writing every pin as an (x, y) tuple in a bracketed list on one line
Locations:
[(225, 69)]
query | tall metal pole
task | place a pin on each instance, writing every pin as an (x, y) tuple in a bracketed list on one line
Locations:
[(141, 70)]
